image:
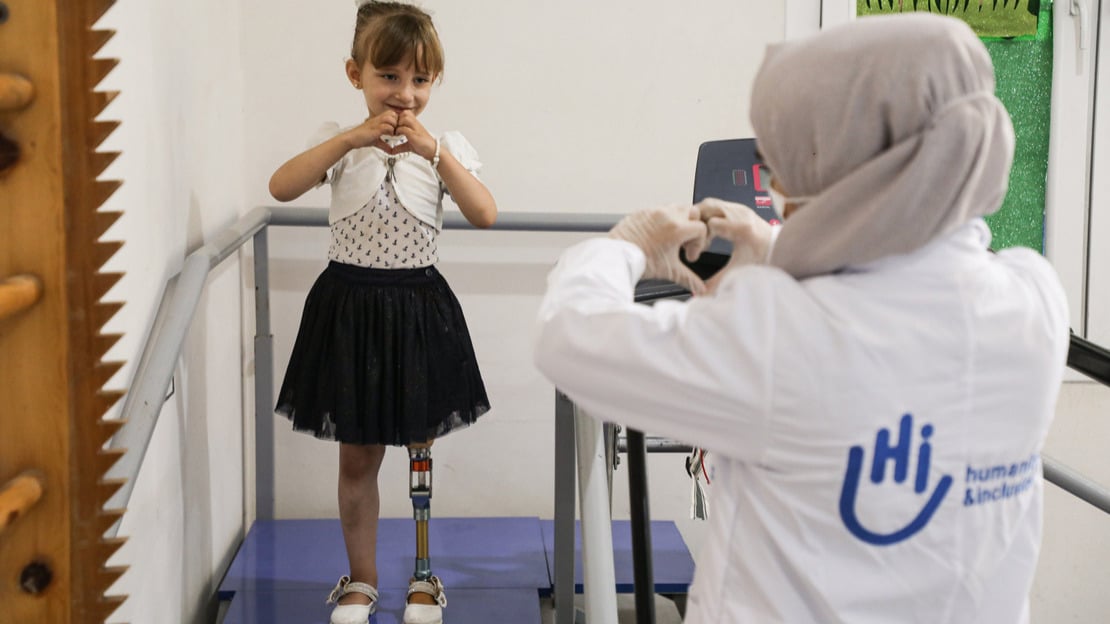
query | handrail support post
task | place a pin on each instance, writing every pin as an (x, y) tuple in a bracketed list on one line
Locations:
[(263, 381)]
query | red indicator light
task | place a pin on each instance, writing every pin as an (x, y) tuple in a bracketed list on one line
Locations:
[(757, 171)]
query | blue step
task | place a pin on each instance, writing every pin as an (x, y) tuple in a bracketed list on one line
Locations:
[(672, 565), (495, 569), (477, 553)]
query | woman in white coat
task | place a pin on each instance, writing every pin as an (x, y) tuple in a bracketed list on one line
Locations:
[(873, 384)]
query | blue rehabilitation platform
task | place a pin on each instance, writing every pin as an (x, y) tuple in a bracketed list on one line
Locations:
[(672, 566), (494, 569)]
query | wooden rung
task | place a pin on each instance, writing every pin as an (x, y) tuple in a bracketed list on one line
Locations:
[(17, 293), (18, 496), (15, 92)]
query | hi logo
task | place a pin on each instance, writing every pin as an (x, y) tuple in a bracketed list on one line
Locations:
[(900, 455)]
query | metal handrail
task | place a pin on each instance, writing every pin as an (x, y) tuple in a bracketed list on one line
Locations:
[(1075, 483), (182, 294), (167, 335), (1093, 361), (179, 300), (1090, 359)]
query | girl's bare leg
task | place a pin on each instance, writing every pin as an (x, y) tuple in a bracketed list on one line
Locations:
[(359, 505)]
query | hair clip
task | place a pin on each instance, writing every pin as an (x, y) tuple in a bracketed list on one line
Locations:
[(362, 3)]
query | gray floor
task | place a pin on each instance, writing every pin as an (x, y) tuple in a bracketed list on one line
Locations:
[(665, 610)]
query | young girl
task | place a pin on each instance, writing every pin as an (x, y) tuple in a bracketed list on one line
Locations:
[(383, 355)]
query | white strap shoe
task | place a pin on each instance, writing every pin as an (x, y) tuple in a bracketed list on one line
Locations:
[(422, 613), (352, 613)]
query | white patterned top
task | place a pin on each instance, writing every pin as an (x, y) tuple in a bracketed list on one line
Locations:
[(383, 235)]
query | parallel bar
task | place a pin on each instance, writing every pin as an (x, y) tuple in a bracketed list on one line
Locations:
[(640, 519), (1071, 481), (656, 444), (163, 346), (182, 294), (263, 381), (507, 221), (1089, 359), (564, 510)]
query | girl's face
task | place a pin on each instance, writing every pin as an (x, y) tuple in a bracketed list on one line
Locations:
[(398, 88)]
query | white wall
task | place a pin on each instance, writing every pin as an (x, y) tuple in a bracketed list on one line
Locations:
[(181, 139), (1071, 580), (575, 107)]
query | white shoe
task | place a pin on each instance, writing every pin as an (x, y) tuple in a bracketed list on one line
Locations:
[(352, 613), (422, 613)]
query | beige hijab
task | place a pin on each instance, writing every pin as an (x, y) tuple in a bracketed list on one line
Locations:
[(892, 123)]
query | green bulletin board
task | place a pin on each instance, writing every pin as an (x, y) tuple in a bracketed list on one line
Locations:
[(1018, 35)]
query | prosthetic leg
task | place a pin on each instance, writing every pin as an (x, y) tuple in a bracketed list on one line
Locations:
[(420, 491)]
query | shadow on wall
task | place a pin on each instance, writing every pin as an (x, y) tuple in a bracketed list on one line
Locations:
[(196, 486)]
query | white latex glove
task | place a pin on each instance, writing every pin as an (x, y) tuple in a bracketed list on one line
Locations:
[(749, 234), (660, 233)]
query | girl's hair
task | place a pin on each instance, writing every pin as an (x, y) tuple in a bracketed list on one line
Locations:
[(388, 33)]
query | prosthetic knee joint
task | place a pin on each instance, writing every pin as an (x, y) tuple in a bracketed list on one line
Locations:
[(420, 491)]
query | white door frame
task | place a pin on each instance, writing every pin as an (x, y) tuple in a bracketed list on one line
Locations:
[(1098, 247), (1068, 189)]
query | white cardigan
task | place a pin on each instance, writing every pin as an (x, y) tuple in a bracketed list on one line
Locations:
[(359, 174)]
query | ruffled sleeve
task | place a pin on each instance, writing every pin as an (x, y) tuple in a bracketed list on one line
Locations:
[(462, 150), (326, 131)]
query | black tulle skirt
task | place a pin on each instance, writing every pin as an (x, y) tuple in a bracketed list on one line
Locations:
[(382, 356)]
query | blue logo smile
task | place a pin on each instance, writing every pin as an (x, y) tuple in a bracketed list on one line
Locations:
[(900, 455)]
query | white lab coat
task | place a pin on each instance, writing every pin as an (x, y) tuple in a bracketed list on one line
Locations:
[(956, 353)]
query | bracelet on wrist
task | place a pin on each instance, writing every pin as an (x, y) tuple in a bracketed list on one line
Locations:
[(435, 158)]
